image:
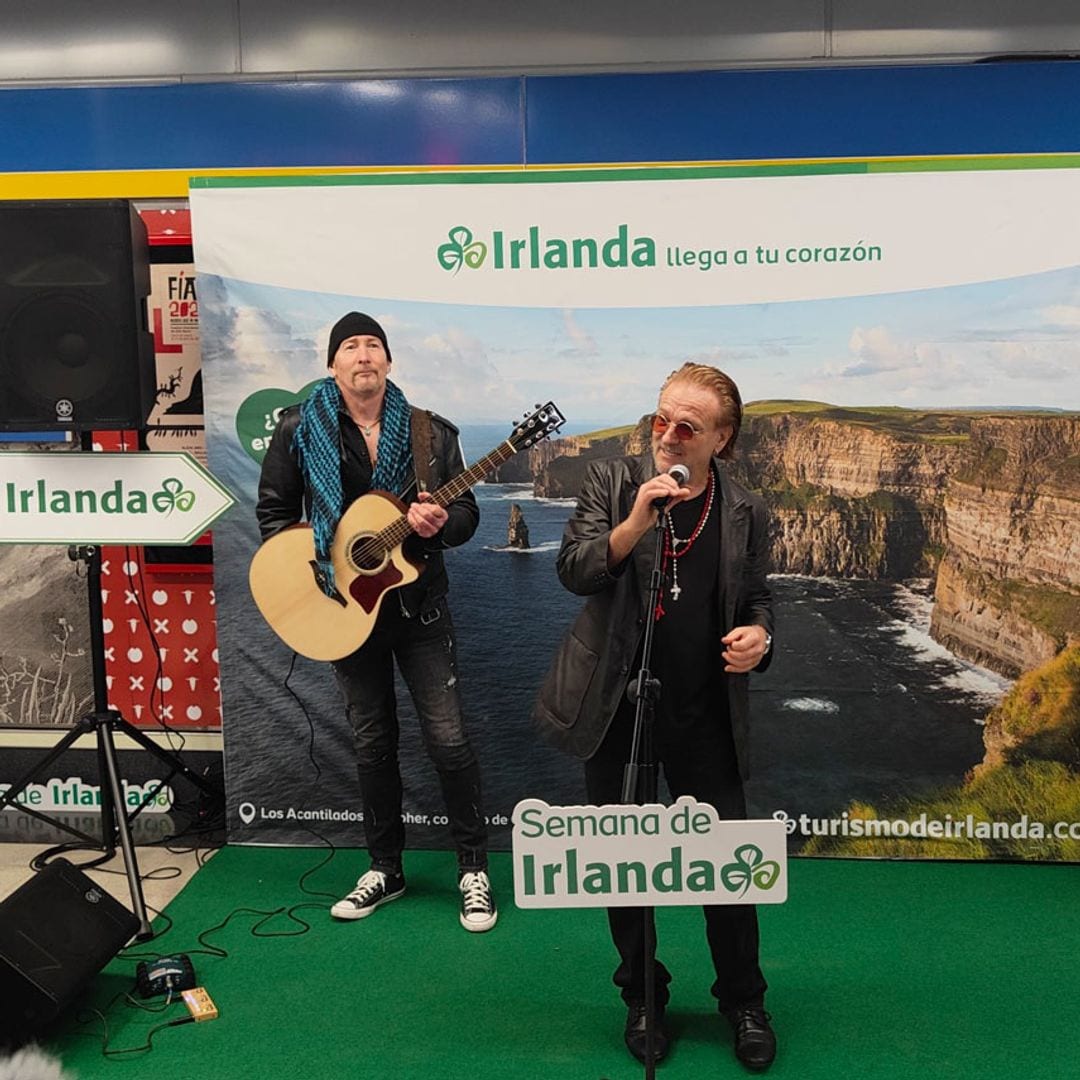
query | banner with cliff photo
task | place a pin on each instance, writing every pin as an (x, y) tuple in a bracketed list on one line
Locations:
[(905, 336)]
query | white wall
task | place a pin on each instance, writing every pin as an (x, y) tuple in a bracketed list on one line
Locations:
[(59, 42)]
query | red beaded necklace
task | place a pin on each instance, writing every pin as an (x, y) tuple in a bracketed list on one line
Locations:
[(675, 547)]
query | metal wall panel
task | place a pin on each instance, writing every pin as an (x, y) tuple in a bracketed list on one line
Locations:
[(676, 116), (494, 35), (254, 125), (61, 41), (73, 39), (884, 28), (809, 113)]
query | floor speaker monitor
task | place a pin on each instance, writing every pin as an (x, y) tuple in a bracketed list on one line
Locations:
[(57, 931), (75, 353)]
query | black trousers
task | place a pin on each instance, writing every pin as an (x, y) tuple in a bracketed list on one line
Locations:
[(697, 760), (426, 653)]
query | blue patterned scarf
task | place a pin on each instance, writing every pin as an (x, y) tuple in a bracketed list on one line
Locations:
[(317, 444)]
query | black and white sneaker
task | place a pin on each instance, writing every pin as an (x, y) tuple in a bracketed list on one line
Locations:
[(478, 911), (373, 888)]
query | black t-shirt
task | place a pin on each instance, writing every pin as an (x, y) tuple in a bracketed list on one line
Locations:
[(686, 649), (356, 467)]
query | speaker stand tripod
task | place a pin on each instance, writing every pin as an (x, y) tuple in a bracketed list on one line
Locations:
[(102, 723)]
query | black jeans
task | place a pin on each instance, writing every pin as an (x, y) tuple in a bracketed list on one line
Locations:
[(698, 761), (426, 655)]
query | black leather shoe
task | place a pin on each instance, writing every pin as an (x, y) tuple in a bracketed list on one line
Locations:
[(635, 1032), (755, 1040)]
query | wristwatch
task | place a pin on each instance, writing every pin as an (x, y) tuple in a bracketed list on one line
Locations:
[(768, 643)]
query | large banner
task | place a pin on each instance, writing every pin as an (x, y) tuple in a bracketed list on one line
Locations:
[(906, 336)]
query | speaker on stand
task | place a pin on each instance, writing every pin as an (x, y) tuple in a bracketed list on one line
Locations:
[(75, 356), (75, 352)]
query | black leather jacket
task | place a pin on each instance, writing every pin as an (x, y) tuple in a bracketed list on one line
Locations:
[(588, 678), (283, 501)]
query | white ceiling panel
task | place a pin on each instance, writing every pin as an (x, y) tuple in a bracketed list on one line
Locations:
[(111, 39), (495, 35), (926, 28)]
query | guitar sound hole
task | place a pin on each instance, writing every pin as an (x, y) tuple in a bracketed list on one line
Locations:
[(368, 556)]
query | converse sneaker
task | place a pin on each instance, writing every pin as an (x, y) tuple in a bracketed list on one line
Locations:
[(373, 888), (477, 904)]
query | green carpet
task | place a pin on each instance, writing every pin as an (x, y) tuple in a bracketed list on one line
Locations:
[(877, 969)]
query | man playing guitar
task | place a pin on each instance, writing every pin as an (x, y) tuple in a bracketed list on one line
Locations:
[(356, 433)]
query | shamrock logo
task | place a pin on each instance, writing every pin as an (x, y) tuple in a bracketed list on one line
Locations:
[(172, 496), (749, 867), (461, 248)]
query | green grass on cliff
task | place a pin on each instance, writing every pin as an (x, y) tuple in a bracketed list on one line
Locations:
[(1034, 771), (999, 800), (1068, 470), (607, 433), (1053, 610), (787, 496), (942, 426), (984, 467), (782, 405), (1045, 704)]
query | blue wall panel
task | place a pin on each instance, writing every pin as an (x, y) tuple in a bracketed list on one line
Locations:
[(700, 116), (246, 125), (808, 113)]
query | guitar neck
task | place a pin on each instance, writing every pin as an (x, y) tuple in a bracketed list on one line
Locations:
[(400, 528)]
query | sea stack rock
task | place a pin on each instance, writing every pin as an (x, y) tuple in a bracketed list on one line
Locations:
[(517, 532)]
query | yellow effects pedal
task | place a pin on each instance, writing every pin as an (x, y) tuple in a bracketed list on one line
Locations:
[(200, 1004)]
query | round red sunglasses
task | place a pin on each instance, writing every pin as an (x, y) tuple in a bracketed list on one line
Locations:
[(684, 430)]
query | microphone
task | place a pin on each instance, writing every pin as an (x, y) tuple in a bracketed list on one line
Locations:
[(681, 475)]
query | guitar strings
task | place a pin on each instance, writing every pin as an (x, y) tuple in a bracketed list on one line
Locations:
[(376, 546), (372, 550)]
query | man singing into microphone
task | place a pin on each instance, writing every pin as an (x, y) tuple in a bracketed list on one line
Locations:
[(713, 626)]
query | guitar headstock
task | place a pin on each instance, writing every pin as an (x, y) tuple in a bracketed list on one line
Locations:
[(536, 426)]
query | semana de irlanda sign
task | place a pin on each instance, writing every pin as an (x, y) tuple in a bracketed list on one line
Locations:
[(142, 498), (627, 856)]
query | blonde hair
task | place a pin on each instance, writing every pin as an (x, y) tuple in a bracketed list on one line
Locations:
[(727, 393)]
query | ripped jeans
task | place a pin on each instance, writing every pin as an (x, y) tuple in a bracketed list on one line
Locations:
[(426, 653)]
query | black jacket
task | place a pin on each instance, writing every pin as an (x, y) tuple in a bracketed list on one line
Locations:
[(283, 501), (588, 678)]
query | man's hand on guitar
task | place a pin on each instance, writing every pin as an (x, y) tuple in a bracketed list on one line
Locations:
[(426, 517)]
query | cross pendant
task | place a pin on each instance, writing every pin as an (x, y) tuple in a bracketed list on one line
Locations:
[(675, 590)]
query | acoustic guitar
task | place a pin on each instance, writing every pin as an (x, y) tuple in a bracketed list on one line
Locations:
[(367, 557)]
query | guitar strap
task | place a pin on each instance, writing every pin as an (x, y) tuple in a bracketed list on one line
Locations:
[(423, 448)]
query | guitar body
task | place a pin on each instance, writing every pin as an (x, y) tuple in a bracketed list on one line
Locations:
[(287, 593), (367, 557)]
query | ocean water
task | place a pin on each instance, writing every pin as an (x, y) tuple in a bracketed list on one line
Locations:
[(859, 702)]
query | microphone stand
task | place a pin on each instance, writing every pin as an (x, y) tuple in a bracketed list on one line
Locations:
[(639, 775)]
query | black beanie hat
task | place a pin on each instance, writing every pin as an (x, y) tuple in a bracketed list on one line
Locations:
[(349, 326)]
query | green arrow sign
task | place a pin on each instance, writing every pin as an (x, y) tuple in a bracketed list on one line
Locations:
[(108, 498)]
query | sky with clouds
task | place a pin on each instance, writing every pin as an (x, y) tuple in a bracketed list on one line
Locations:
[(1012, 343)]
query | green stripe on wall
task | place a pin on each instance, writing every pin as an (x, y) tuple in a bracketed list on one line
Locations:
[(569, 174)]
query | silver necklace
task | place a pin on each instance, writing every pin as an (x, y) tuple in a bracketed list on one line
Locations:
[(369, 428), (688, 542)]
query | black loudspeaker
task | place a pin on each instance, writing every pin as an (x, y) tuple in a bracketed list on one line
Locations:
[(56, 932), (75, 353)]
